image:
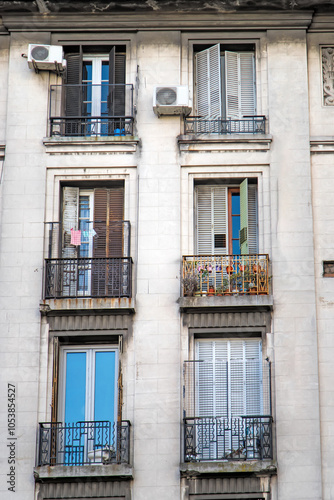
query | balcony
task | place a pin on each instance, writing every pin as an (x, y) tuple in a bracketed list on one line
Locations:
[(227, 409), (196, 125), (83, 443), (98, 266), (225, 275), (225, 439), (91, 110)]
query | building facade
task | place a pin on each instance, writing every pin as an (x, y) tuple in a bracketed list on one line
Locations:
[(166, 250)]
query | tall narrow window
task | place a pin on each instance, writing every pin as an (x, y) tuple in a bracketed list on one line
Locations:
[(89, 385), (225, 98), (94, 95), (226, 219)]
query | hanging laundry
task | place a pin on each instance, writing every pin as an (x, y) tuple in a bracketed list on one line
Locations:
[(75, 237)]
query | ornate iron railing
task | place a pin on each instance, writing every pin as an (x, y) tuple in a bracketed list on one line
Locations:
[(72, 110), (220, 438), (88, 277), (209, 275), (83, 443), (247, 125)]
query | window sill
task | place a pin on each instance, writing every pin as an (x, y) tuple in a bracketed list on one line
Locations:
[(64, 471), (263, 467), (53, 305), (264, 302), (89, 145), (231, 142)]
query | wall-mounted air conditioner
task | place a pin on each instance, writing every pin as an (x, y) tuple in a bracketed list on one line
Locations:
[(171, 100), (47, 57)]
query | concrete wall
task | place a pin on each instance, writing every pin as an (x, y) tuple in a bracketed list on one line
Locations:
[(159, 174)]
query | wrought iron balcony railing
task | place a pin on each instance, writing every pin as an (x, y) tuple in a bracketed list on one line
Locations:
[(88, 277), (91, 110), (247, 125), (83, 443), (93, 262), (220, 438), (209, 275)]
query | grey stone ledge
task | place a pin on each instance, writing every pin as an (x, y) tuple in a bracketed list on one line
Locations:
[(256, 467), (208, 142), (261, 302), (87, 304), (65, 145), (322, 144), (64, 471)]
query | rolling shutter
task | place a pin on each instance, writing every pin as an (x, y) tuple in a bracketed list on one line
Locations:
[(239, 84), (229, 378), (211, 220), (208, 83)]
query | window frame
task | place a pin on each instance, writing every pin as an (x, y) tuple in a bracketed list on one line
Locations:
[(258, 39), (90, 378)]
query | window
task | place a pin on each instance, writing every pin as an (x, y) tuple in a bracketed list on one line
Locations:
[(229, 377), (225, 92), (95, 99), (226, 219), (89, 384), (227, 401), (89, 251)]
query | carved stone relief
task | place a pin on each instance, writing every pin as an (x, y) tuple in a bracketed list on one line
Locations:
[(327, 57)]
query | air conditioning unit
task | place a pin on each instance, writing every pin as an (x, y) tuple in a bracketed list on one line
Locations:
[(171, 100), (48, 57)]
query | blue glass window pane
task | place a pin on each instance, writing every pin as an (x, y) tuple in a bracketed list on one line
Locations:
[(236, 203), (104, 108), (235, 247), (105, 382), (235, 226), (87, 71), (104, 92), (75, 387), (105, 71)]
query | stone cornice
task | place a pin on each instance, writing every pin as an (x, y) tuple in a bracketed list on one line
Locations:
[(322, 23), (133, 21)]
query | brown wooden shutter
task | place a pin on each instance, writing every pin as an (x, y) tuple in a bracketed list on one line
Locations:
[(108, 242), (73, 92), (116, 98), (108, 209), (55, 368)]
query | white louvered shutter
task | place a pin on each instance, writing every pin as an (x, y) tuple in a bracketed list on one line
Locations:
[(211, 220), (208, 83), (247, 84), (239, 84), (252, 220), (229, 378), (253, 378), (205, 390), (212, 378), (232, 92), (70, 220)]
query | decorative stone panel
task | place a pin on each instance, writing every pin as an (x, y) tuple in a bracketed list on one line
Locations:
[(327, 57)]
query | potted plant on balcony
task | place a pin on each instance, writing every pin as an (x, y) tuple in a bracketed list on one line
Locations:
[(190, 284)]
